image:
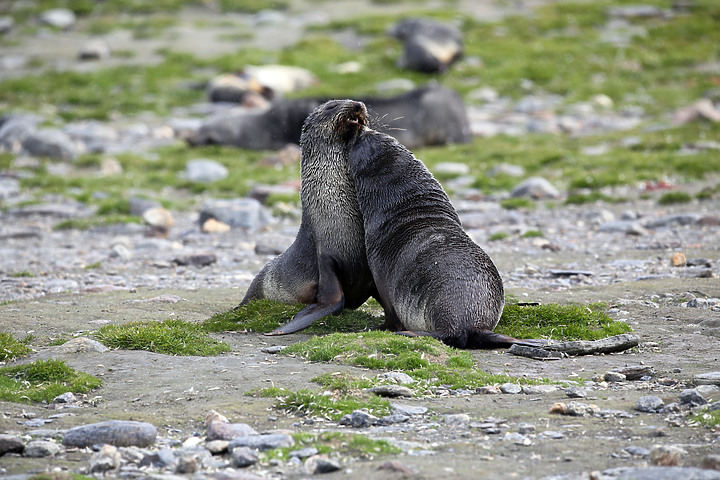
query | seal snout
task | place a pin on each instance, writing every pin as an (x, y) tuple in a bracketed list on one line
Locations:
[(356, 114)]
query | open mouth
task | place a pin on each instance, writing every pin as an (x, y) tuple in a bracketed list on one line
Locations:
[(356, 119)]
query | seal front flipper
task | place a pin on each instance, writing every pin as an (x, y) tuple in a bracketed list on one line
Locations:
[(330, 299)]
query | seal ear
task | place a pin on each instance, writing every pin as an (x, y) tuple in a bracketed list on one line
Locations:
[(330, 299)]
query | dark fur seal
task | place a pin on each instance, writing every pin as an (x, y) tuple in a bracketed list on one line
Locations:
[(326, 266), (431, 278)]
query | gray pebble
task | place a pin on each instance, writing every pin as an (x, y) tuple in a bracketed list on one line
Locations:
[(274, 349), (526, 428), (359, 419), (538, 389), (107, 458), (649, 403), (244, 457), (392, 419), (304, 452), (163, 458), (408, 410), (510, 388), (710, 378), (51, 143), (397, 377), (246, 213), (552, 434), (576, 392), (10, 444), (219, 430), (61, 18), (66, 397), (217, 446), (456, 419), (614, 377), (41, 449), (263, 442), (637, 451), (392, 391), (692, 397), (95, 49), (321, 464), (120, 433), (536, 188), (205, 171)]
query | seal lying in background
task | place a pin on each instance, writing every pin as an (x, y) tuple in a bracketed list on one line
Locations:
[(431, 278), (326, 266)]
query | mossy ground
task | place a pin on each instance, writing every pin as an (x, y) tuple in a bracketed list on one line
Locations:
[(171, 337), (12, 348), (707, 418), (43, 380), (336, 444)]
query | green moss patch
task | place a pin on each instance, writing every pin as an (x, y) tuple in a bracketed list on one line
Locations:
[(345, 445), (332, 406), (171, 337), (561, 322), (42, 381), (707, 418), (264, 316), (670, 198), (11, 348)]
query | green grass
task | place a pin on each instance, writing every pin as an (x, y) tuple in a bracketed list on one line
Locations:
[(562, 322), (11, 348), (498, 236), (670, 198), (171, 337), (95, 222), (306, 402), (517, 203), (336, 444), (43, 380), (22, 274), (707, 418), (532, 234), (592, 197)]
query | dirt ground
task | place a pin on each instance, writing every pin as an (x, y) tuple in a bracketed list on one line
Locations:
[(174, 393)]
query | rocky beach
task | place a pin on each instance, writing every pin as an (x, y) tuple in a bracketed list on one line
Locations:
[(186, 251)]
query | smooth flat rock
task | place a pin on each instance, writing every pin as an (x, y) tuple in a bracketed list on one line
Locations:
[(114, 432)]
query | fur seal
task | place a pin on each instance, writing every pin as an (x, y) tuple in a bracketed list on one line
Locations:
[(431, 278), (326, 266)]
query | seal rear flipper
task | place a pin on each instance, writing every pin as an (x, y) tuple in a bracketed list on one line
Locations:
[(489, 339), (307, 316)]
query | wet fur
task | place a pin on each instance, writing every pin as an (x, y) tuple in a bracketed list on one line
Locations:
[(432, 279), (329, 247)]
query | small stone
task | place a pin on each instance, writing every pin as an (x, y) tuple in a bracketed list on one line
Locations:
[(637, 451), (159, 219), (710, 378), (526, 428), (397, 377), (244, 457), (391, 391), (61, 18), (628, 227), (536, 188), (215, 226), (139, 205), (120, 433), (510, 388), (304, 452), (455, 169), (517, 439), (41, 449), (220, 430), (711, 462), (111, 167), (95, 49), (6, 24), (107, 458), (215, 416), (165, 457), (396, 466), (82, 345), (391, 419), (10, 444), (321, 464), (359, 419), (488, 390), (205, 171), (614, 377), (217, 447), (678, 259), (66, 397), (553, 435), (51, 143), (574, 409), (196, 259), (408, 410), (667, 456), (692, 397), (456, 419), (246, 213), (576, 392), (263, 442), (539, 389), (274, 349), (649, 404)]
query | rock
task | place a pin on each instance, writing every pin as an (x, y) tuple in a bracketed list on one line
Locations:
[(304, 452), (205, 171), (429, 46), (488, 390), (667, 456), (391, 391), (628, 227), (61, 18), (649, 403), (244, 457), (526, 428), (95, 49), (517, 439), (6, 24), (538, 389), (614, 377), (10, 444), (408, 410), (281, 78), (711, 462), (263, 442), (321, 464), (692, 397), (163, 458), (221, 430), (576, 392), (111, 167), (536, 188), (114, 432), (710, 378), (678, 259), (82, 345), (454, 169), (396, 466), (41, 449), (159, 219), (107, 458), (245, 213), (635, 372), (702, 109), (9, 188), (139, 205), (574, 409), (66, 397), (196, 259), (673, 220), (50, 142), (217, 447), (637, 451), (397, 377), (506, 169), (238, 88), (510, 388), (215, 226), (359, 419), (456, 419)]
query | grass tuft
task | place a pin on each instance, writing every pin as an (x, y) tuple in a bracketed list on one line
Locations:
[(171, 337), (670, 198), (42, 381), (11, 348)]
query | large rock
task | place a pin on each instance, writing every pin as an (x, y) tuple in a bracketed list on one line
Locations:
[(114, 432), (14, 129), (61, 18), (431, 115), (429, 46), (246, 213), (205, 171), (537, 188), (50, 142)]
